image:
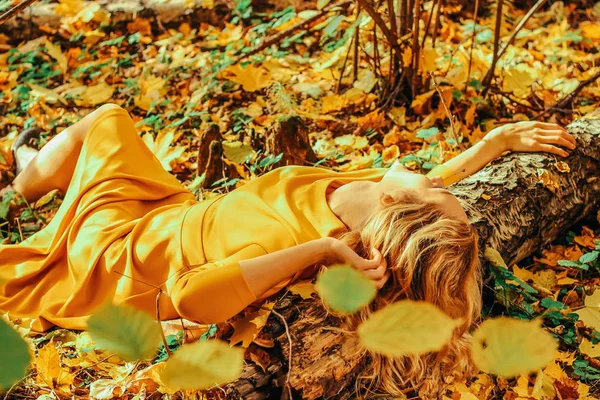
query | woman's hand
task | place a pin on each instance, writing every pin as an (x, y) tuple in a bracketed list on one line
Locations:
[(532, 136), (375, 268)]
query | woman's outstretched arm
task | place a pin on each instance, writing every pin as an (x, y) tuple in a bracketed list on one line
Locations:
[(528, 136)]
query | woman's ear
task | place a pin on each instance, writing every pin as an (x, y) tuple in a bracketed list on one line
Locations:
[(386, 199)]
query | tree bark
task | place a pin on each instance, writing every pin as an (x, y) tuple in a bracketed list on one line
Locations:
[(531, 201)]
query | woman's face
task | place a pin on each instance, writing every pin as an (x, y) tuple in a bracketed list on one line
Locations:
[(432, 190)]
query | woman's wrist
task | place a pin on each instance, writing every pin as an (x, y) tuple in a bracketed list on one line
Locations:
[(324, 249), (499, 139)]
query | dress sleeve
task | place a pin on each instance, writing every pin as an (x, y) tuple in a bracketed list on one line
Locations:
[(216, 291)]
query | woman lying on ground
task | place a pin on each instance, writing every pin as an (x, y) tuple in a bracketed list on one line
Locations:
[(127, 227)]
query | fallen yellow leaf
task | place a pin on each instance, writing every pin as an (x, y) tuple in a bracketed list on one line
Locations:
[(250, 77)]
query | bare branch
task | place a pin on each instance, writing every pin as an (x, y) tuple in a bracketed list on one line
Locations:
[(473, 36), (391, 37), (488, 77), (288, 32), (11, 12), (571, 96), (497, 54)]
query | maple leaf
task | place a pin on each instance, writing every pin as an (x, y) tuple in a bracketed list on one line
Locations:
[(50, 372), (250, 77), (163, 149)]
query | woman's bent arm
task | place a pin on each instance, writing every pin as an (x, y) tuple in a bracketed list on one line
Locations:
[(214, 293), (264, 272)]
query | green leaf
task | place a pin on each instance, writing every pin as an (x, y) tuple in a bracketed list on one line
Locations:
[(332, 26), (237, 152), (322, 4), (130, 333), (345, 289), (510, 347), (15, 356), (550, 303), (524, 285), (589, 257), (5, 204), (576, 264), (407, 327), (427, 133), (202, 365)]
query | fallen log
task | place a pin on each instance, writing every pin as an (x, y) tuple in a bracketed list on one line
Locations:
[(41, 18), (38, 18), (518, 204)]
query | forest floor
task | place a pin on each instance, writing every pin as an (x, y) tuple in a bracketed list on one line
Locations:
[(178, 79)]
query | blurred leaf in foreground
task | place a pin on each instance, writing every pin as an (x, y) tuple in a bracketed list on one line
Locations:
[(407, 328), (345, 289), (203, 365), (510, 347), (130, 333)]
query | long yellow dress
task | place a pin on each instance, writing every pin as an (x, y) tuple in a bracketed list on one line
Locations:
[(127, 227)]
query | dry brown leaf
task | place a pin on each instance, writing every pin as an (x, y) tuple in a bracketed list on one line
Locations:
[(545, 280)]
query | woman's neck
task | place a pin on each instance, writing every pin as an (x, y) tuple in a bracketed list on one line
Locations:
[(354, 202)]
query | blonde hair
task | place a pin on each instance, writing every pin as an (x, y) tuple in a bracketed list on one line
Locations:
[(433, 257)]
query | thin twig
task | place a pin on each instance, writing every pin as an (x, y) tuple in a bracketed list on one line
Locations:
[(288, 32), (448, 114), (428, 25), (392, 16), (343, 69), (137, 280), (415, 48), (570, 97), (509, 97), (20, 231), (436, 28), (356, 46), (379, 22), (400, 17), (473, 36), (521, 24), (11, 12), (488, 77), (287, 332), (162, 333)]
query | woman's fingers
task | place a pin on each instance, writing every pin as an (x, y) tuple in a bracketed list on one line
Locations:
[(559, 140), (376, 260), (548, 126), (562, 135), (548, 148), (381, 282), (376, 273)]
